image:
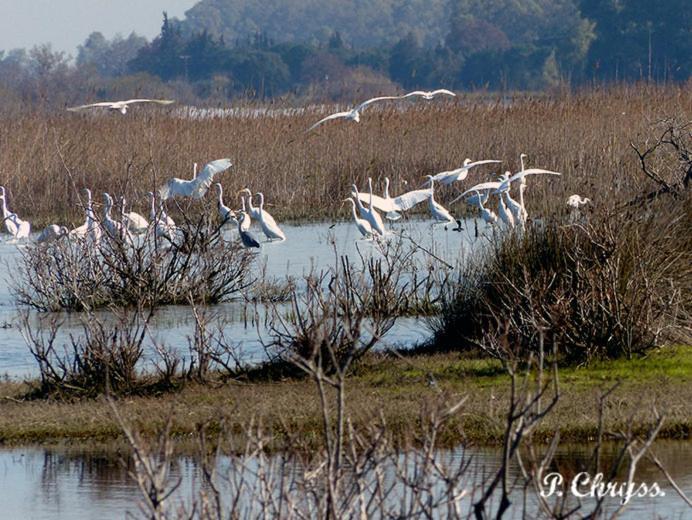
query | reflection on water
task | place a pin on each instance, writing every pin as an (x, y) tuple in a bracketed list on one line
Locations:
[(68, 483), (308, 247)]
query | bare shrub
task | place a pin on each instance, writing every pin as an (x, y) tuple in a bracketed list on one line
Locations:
[(76, 274), (614, 286)]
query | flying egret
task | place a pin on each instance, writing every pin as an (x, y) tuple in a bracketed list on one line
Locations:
[(269, 226), (521, 177), (439, 213), (362, 224), (354, 113), (369, 213), (134, 222), (225, 212), (15, 226), (385, 203), (114, 228), (403, 202), (51, 233), (428, 94), (197, 187), (247, 239), (121, 106), (461, 173)]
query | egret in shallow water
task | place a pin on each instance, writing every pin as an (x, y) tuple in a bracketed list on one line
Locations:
[(362, 224), (197, 187), (15, 226), (225, 212), (486, 214), (246, 238), (114, 228), (438, 212), (269, 226), (354, 113), (251, 210), (121, 106)]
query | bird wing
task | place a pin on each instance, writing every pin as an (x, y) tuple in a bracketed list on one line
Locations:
[(204, 179), (374, 100), (409, 199), (443, 91), (159, 101), (176, 187), (478, 188), (414, 93), (460, 173), (377, 202), (92, 105), (520, 175), (329, 118)]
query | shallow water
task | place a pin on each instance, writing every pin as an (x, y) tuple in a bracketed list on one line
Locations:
[(309, 247), (68, 483)]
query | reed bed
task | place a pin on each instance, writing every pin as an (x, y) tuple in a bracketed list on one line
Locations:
[(47, 157)]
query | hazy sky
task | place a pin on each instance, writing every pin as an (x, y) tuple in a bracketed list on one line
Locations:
[(66, 23)]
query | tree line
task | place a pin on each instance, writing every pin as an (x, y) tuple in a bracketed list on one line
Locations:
[(332, 49)]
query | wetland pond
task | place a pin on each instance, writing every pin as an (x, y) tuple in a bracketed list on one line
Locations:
[(74, 482)]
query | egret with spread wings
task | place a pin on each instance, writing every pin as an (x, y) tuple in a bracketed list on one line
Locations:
[(197, 187), (354, 113), (461, 173), (121, 106)]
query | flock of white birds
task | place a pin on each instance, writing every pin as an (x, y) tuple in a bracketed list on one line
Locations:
[(365, 206)]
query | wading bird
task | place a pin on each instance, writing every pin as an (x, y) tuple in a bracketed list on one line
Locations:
[(51, 233), (269, 226), (428, 94), (245, 236), (251, 210), (369, 213), (114, 228), (461, 173), (438, 212), (121, 106), (134, 222), (225, 212), (576, 201), (164, 226), (488, 215), (403, 202), (520, 213), (385, 203), (354, 113), (197, 187), (362, 224), (476, 194), (93, 230), (15, 226)]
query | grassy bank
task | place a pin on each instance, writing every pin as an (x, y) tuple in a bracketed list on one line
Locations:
[(396, 387)]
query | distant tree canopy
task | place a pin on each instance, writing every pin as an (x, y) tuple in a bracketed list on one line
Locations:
[(335, 49)]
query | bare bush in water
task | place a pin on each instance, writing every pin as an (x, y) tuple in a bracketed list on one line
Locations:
[(78, 274)]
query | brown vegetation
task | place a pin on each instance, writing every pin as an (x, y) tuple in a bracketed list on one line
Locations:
[(585, 135)]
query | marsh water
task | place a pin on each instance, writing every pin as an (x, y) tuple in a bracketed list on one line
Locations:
[(73, 482), (69, 483), (308, 248)]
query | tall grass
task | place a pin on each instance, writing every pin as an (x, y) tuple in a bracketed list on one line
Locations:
[(46, 157)]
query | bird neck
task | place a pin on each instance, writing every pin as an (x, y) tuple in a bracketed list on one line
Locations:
[(353, 210), (386, 187), (4, 208), (522, 187)]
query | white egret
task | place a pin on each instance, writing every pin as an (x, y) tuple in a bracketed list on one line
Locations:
[(521, 213), (390, 215), (505, 214), (51, 233), (121, 106), (164, 226), (354, 113), (403, 202), (247, 239), (576, 201), (385, 203), (369, 213), (461, 173), (428, 94), (438, 212), (134, 222), (93, 230), (15, 226), (251, 210), (269, 226), (478, 188), (225, 212), (362, 224), (114, 228), (486, 214), (197, 187), (247, 220)]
